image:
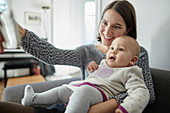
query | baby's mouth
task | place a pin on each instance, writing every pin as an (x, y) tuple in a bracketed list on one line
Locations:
[(112, 58)]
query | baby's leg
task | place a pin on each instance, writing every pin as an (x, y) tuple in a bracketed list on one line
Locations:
[(52, 96), (82, 98)]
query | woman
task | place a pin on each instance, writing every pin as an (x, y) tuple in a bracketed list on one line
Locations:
[(118, 19)]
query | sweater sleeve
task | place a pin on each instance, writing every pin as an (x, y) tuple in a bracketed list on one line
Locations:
[(143, 63), (49, 54), (138, 96)]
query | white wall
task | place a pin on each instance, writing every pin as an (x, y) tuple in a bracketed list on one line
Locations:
[(68, 19), (153, 29), (153, 17), (21, 6)]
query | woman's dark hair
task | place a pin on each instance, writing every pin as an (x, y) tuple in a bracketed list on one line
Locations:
[(127, 11)]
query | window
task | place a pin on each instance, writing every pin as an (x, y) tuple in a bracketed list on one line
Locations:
[(90, 18), (74, 25), (3, 5)]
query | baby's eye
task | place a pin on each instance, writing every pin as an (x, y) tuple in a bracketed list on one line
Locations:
[(111, 48), (121, 49)]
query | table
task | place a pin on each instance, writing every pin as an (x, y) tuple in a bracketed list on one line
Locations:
[(25, 80), (14, 54)]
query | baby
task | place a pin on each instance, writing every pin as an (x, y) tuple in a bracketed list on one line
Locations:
[(115, 74)]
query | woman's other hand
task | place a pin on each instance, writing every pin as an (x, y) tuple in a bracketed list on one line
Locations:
[(104, 107), (118, 111)]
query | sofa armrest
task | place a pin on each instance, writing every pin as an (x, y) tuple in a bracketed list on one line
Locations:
[(161, 81), (16, 93)]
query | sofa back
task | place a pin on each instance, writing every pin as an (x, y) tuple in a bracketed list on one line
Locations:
[(161, 80)]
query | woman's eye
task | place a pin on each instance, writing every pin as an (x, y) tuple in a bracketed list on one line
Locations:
[(117, 27), (104, 22)]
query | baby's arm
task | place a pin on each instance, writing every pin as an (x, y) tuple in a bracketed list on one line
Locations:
[(92, 66), (138, 94)]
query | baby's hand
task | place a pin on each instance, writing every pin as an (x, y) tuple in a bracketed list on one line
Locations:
[(118, 111), (92, 66)]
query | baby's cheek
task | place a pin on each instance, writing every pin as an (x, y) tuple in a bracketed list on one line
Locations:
[(122, 60)]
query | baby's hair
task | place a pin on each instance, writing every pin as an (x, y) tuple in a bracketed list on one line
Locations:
[(136, 47)]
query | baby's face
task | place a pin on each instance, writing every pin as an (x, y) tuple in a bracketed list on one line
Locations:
[(121, 52)]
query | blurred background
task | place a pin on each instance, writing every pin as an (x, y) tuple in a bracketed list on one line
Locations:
[(70, 23)]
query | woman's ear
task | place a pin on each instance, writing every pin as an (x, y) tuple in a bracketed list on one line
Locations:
[(128, 31), (134, 60)]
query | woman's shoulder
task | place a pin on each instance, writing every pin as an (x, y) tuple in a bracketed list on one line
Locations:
[(143, 57), (87, 47), (143, 50)]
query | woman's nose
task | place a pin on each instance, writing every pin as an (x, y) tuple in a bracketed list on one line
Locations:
[(108, 31)]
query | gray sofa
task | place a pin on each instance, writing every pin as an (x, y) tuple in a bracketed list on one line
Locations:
[(161, 79)]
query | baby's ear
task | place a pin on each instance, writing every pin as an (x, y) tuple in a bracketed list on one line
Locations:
[(134, 60)]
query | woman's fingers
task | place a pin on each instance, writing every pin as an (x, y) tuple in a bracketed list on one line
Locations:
[(1, 47), (22, 31), (118, 111), (1, 40)]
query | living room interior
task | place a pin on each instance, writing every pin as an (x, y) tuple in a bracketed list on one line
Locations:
[(63, 22)]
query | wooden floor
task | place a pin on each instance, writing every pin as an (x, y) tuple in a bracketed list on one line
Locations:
[(20, 80), (1, 88), (24, 80)]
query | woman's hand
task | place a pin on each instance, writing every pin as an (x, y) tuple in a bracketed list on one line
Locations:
[(22, 31), (1, 40), (118, 111), (1, 47), (104, 107), (22, 34)]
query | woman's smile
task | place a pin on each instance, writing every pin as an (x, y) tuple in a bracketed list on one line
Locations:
[(108, 38)]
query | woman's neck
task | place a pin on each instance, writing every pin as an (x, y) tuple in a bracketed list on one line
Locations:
[(103, 48)]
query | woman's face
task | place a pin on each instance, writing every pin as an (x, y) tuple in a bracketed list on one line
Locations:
[(111, 26)]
